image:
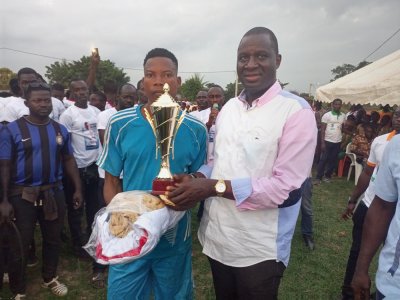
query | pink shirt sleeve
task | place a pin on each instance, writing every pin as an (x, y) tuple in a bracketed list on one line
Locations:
[(292, 165)]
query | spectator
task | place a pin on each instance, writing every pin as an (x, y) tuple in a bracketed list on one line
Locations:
[(385, 125), (81, 121), (361, 143), (57, 91), (98, 99), (38, 149), (365, 188), (382, 225), (331, 138)]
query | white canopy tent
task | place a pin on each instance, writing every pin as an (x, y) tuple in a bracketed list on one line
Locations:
[(376, 83)]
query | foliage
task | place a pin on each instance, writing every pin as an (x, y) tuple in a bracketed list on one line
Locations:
[(230, 90), (63, 72), (192, 86), (346, 69)]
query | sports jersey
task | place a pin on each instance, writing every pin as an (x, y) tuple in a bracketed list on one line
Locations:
[(36, 151), (130, 146), (82, 125)]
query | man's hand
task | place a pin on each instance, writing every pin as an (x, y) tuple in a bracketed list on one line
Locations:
[(188, 191), (361, 285), (348, 213), (77, 199), (6, 212), (95, 59)]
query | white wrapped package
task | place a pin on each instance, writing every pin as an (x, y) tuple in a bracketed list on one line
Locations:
[(129, 227)]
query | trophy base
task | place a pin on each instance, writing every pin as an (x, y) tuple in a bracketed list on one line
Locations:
[(160, 185)]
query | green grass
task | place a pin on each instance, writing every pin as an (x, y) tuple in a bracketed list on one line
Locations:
[(314, 274)]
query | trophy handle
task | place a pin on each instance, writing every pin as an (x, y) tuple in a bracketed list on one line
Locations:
[(150, 119), (178, 124)]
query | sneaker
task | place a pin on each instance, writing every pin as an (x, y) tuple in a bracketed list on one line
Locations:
[(19, 297), (326, 180), (32, 261), (309, 241), (57, 288)]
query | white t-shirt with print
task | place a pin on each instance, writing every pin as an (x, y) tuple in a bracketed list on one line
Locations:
[(333, 131), (82, 125)]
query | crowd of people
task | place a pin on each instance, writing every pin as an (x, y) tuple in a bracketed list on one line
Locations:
[(247, 163)]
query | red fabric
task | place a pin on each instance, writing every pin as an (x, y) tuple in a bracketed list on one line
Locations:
[(130, 253)]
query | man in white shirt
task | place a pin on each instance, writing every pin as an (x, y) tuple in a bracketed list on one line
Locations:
[(203, 107), (366, 183), (16, 107), (81, 121), (331, 138)]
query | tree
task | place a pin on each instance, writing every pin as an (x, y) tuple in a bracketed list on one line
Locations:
[(230, 90), (346, 69), (192, 86), (63, 72)]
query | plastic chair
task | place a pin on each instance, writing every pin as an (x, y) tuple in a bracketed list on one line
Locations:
[(354, 164)]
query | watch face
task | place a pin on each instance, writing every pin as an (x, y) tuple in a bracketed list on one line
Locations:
[(220, 187)]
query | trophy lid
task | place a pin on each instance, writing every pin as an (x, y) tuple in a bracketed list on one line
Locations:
[(165, 100)]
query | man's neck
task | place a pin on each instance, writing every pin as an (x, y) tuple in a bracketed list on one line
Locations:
[(81, 105), (37, 120)]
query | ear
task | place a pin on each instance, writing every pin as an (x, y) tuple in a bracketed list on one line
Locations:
[(26, 103), (278, 60), (179, 80)]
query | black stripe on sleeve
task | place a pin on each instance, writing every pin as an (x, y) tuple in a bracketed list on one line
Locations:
[(45, 150)]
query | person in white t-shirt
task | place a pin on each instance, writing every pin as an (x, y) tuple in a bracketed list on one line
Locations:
[(203, 107), (366, 183), (331, 138), (81, 121), (16, 107)]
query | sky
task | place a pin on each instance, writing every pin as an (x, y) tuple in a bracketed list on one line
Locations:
[(314, 36)]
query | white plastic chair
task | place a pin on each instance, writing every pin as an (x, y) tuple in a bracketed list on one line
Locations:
[(354, 164)]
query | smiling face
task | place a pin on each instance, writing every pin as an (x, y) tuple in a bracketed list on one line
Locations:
[(157, 72), (257, 62)]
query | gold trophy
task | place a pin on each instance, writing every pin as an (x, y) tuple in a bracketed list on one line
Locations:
[(164, 120)]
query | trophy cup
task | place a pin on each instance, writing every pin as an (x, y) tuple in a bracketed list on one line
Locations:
[(164, 121)]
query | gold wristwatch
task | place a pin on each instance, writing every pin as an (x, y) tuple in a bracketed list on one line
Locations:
[(220, 187)]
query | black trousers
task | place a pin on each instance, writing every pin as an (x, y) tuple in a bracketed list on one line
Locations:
[(257, 282), (89, 180), (358, 222), (328, 158), (27, 214)]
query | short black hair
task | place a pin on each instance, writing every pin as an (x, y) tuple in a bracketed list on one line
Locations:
[(101, 96), (75, 80), (120, 88), (14, 87), (216, 86), (57, 87), (264, 30), (36, 86), (139, 83), (161, 52), (337, 100), (26, 70)]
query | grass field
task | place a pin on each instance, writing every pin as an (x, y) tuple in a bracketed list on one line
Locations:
[(314, 274)]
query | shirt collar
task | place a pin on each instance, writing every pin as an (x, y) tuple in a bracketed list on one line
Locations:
[(335, 113), (274, 90)]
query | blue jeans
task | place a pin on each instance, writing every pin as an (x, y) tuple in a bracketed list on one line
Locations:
[(328, 159), (306, 207)]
